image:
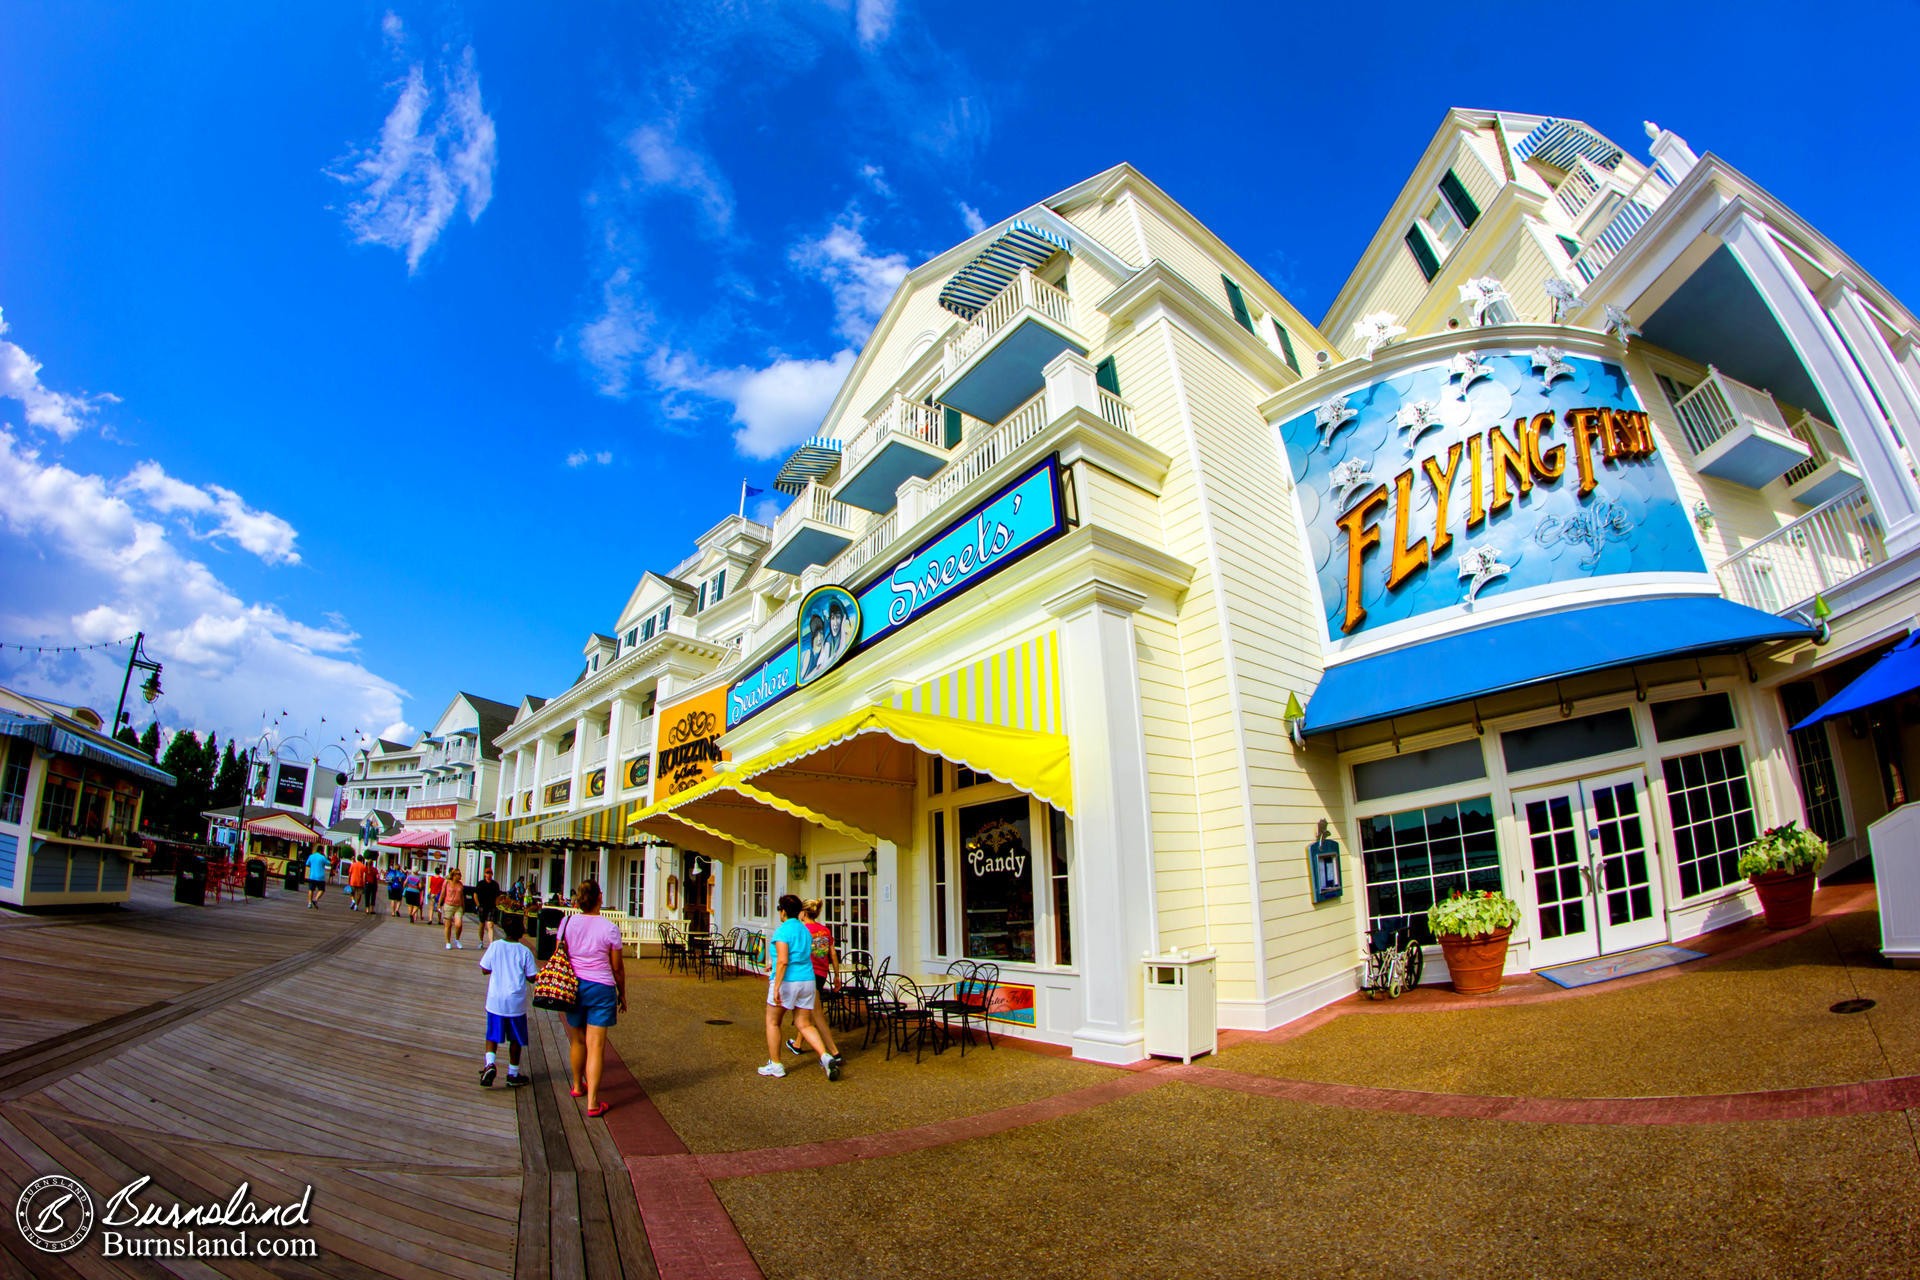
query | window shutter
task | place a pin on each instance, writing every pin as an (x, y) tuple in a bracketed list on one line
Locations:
[(719, 585), (1238, 301), (1456, 193), (1423, 252), (1571, 245), (1108, 378), (950, 425), (1286, 347)]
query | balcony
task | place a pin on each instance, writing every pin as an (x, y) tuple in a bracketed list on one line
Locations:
[(1606, 212), (812, 530), (1737, 432), (994, 365), (1829, 472), (903, 441), (1783, 571)]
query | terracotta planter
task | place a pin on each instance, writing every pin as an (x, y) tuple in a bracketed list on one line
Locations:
[(1786, 897), (1475, 963)]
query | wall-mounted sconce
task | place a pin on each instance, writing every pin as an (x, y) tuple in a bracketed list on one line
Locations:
[(1323, 864), (797, 865), (1296, 718), (872, 860), (1703, 515)]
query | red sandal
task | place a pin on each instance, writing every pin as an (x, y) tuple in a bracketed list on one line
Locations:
[(594, 1113), (578, 1093)]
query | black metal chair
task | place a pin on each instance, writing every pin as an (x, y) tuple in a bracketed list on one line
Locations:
[(961, 1003), (904, 1011), (849, 995), (673, 947)]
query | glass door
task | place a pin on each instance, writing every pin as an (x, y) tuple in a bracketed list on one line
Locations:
[(846, 906), (1591, 849)]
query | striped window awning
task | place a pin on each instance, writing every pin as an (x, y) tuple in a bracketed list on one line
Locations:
[(1021, 245), (1557, 142), (813, 460), (604, 825), (1017, 688), (53, 738)]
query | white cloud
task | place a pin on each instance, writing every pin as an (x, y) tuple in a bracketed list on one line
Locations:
[(861, 282), (971, 216), (767, 510), (83, 561), (774, 408), (876, 177), (612, 342), (261, 532), (664, 161), (62, 413), (873, 20), (580, 458), (435, 155)]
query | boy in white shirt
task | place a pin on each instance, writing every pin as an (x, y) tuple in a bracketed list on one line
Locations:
[(509, 968)]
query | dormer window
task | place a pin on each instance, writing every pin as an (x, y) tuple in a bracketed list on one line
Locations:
[(633, 636), (711, 591), (1448, 215)]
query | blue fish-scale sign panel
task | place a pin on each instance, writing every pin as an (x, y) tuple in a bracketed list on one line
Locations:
[(1450, 486)]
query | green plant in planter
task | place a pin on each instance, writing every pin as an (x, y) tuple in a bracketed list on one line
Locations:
[(1469, 915), (1786, 848)]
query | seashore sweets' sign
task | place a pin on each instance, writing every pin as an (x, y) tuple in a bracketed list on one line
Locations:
[(1504, 474), (688, 745), (1003, 529)]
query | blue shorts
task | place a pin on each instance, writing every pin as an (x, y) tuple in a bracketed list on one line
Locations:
[(598, 1006), (501, 1030)]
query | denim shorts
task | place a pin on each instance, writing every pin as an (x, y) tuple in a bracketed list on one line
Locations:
[(598, 1006)]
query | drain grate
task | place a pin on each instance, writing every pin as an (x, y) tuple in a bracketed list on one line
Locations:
[(727, 1022), (1851, 1006)]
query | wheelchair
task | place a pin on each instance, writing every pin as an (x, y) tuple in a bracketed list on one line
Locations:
[(1394, 963)]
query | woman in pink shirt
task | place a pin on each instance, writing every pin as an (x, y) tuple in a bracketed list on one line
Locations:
[(593, 945)]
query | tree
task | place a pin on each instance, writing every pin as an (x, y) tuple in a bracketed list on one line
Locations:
[(230, 781), (127, 735), (192, 792), (150, 741)]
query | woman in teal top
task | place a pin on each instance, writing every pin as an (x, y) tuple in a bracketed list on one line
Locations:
[(790, 986)]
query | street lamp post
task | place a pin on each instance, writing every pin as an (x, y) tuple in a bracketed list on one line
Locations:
[(150, 689)]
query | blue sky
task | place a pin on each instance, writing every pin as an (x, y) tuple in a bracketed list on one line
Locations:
[(361, 354)]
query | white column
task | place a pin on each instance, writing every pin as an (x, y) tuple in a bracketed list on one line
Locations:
[(1112, 855), (1891, 486), (1876, 358), (539, 769), (1671, 151), (574, 797), (1070, 385), (600, 874), (616, 725), (1906, 349)]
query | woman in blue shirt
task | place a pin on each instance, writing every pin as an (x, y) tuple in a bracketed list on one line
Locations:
[(790, 986)]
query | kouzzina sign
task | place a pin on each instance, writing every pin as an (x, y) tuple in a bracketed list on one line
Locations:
[(688, 745), (1021, 518)]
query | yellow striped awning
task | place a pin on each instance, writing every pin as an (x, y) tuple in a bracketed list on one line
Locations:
[(604, 825), (1037, 763), (1018, 688)]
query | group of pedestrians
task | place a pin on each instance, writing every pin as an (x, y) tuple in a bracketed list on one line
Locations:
[(800, 962)]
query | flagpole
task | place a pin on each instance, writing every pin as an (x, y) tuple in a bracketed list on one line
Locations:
[(742, 512)]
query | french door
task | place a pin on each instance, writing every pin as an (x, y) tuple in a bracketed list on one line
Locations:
[(846, 906), (1591, 860)]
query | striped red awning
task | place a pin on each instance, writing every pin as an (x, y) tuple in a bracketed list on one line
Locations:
[(417, 839)]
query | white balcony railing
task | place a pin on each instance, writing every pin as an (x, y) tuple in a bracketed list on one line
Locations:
[(815, 503), (1020, 426), (1719, 405), (877, 539), (1629, 212), (1024, 291), (1577, 190), (1115, 411), (900, 417), (1824, 444), (1823, 548)]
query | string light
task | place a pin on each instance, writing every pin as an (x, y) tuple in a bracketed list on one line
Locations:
[(121, 643)]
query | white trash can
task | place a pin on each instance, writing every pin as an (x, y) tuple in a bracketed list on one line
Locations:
[(1895, 844), (1182, 1016)]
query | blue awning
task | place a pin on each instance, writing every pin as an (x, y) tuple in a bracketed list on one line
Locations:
[(1897, 672), (1558, 141), (813, 460), (1021, 245), (1548, 646), (63, 742)]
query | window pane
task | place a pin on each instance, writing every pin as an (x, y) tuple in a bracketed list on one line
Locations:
[(1565, 740), (1691, 717), (996, 880), (1418, 770), (1062, 885), (1712, 813), (1418, 855)]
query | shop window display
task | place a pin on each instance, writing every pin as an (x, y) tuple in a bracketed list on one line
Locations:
[(996, 880), (1712, 809)]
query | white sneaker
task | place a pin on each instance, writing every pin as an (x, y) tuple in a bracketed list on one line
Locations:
[(774, 1070), (459, 946), (448, 947)]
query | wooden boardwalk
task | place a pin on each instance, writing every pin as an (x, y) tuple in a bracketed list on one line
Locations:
[(264, 1043)]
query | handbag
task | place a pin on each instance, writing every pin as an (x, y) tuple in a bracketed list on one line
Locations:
[(557, 986)]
